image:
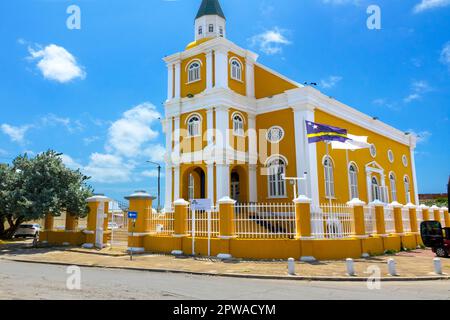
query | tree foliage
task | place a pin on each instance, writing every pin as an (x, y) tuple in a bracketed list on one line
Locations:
[(30, 188)]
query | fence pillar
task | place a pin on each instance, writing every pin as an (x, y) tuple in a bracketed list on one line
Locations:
[(425, 212), (180, 224), (49, 222), (226, 226), (435, 213), (398, 217), (140, 202), (412, 218), (95, 231), (446, 217), (358, 218), (303, 217), (71, 222), (379, 218)]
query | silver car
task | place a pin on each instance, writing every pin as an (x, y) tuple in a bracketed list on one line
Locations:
[(28, 230)]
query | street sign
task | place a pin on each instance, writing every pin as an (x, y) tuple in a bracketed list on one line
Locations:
[(201, 204), (132, 215)]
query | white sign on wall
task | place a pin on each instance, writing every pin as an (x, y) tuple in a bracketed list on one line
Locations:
[(201, 204)]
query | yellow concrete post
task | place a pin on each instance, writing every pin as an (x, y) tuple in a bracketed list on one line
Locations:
[(140, 202), (413, 218), (95, 228), (398, 218), (303, 217), (49, 221), (71, 223), (106, 220), (425, 212), (226, 226), (379, 218), (446, 217), (435, 213), (359, 227)]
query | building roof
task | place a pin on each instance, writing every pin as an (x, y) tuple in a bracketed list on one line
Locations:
[(210, 7)]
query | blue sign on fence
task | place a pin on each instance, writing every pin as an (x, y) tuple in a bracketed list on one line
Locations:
[(132, 215)]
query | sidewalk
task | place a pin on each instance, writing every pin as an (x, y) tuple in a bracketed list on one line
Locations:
[(416, 264)]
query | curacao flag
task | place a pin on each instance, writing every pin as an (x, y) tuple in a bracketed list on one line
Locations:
[(321, 132)]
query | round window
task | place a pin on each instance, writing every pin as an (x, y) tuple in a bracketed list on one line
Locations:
[(391, 156), (373, 151), (275, 134), (405, 160)]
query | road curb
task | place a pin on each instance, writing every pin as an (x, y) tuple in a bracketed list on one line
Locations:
[(239, 275)]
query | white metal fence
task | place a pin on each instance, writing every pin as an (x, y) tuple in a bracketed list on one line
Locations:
[(160, 223), (419, 215), (389, 221), (332, 221), (265, 221), (203, 223), (405, 220), (370, 220)]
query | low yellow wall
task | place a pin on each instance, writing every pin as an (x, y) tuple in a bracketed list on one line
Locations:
[(61, 237), (409, 241)]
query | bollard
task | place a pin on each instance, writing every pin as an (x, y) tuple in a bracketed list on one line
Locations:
[(437, 266), (350, 267), (291, 266), (392, 266)]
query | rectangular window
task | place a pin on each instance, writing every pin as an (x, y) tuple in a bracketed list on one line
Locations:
[(211, 28), (200, 30), (221, 31)]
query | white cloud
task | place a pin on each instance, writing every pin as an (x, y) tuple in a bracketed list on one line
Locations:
[(422, 136), (330, 82), (152, 173), (270, 42), (418, 89), (108, 168), (129, 135), (57, 64), (16, 134), (70, 125), (70, 162), (425, 5), (87, 141), (155, 153), (445, 55)]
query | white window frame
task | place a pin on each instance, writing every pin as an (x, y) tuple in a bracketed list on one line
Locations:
[(211, 28), (405, 161), (272, 128), (200, 30), (376, 188), (238, 125), (353, 180), (191, 187), (221, 32), (194, 127), (328, 167), (407, 185), (391, 156), (373, 150), (393, 185), (236, 69), (194, 73), (276, 185)]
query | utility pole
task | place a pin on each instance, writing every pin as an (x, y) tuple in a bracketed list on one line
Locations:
[(159, 183)]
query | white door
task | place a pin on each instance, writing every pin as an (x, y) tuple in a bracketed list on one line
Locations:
[(235, 191)]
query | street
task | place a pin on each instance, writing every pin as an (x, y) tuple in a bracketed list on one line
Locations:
[(39, 281)]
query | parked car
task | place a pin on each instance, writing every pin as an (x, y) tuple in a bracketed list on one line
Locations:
[(28, 230), (113, 226), (436, 237)]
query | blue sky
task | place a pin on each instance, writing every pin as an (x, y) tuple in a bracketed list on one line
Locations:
[(96, 94)]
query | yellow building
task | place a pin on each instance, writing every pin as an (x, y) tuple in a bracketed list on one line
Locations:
[(235, 128)]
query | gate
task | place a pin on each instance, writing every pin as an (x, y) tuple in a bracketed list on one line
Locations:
[(203, 224), (118, 224)]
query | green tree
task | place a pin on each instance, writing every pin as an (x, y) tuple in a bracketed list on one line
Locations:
[(30, 188)]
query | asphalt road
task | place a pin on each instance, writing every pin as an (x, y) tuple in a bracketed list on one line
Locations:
[(39, 281)]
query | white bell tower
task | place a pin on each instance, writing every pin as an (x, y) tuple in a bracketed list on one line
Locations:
[(210, 21)]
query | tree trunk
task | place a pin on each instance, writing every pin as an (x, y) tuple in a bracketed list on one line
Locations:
[(13, 226)]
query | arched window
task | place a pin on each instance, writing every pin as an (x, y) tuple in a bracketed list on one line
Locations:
[(407, 189), (329, 177), (238, 125), (193, 125), (353, 178), (236, 70), (194, 71), (393, 186), (375, 190), (277, 185)]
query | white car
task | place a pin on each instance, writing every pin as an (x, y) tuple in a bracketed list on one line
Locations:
[(113, 226), (28, 230)]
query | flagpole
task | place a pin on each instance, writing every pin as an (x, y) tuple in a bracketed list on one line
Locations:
[(348, 174)]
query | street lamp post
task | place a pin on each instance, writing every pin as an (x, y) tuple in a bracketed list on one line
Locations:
[(159, 183)]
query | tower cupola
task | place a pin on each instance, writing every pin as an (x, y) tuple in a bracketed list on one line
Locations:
[(210, 21)]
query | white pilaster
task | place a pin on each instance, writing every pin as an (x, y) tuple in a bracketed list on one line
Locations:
[(210, 126), (168, 129), (177, 80), (168, 196), (413, 141), (222, 128), (250, 78), (369, 187), (223, 180), (306, 154), (252, 139), (209, 70), (253, 185), (169, 81), (210, 177), (221, 68), (176, 182)]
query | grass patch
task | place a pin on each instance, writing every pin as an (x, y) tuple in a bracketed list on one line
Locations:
[(390, 252)]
